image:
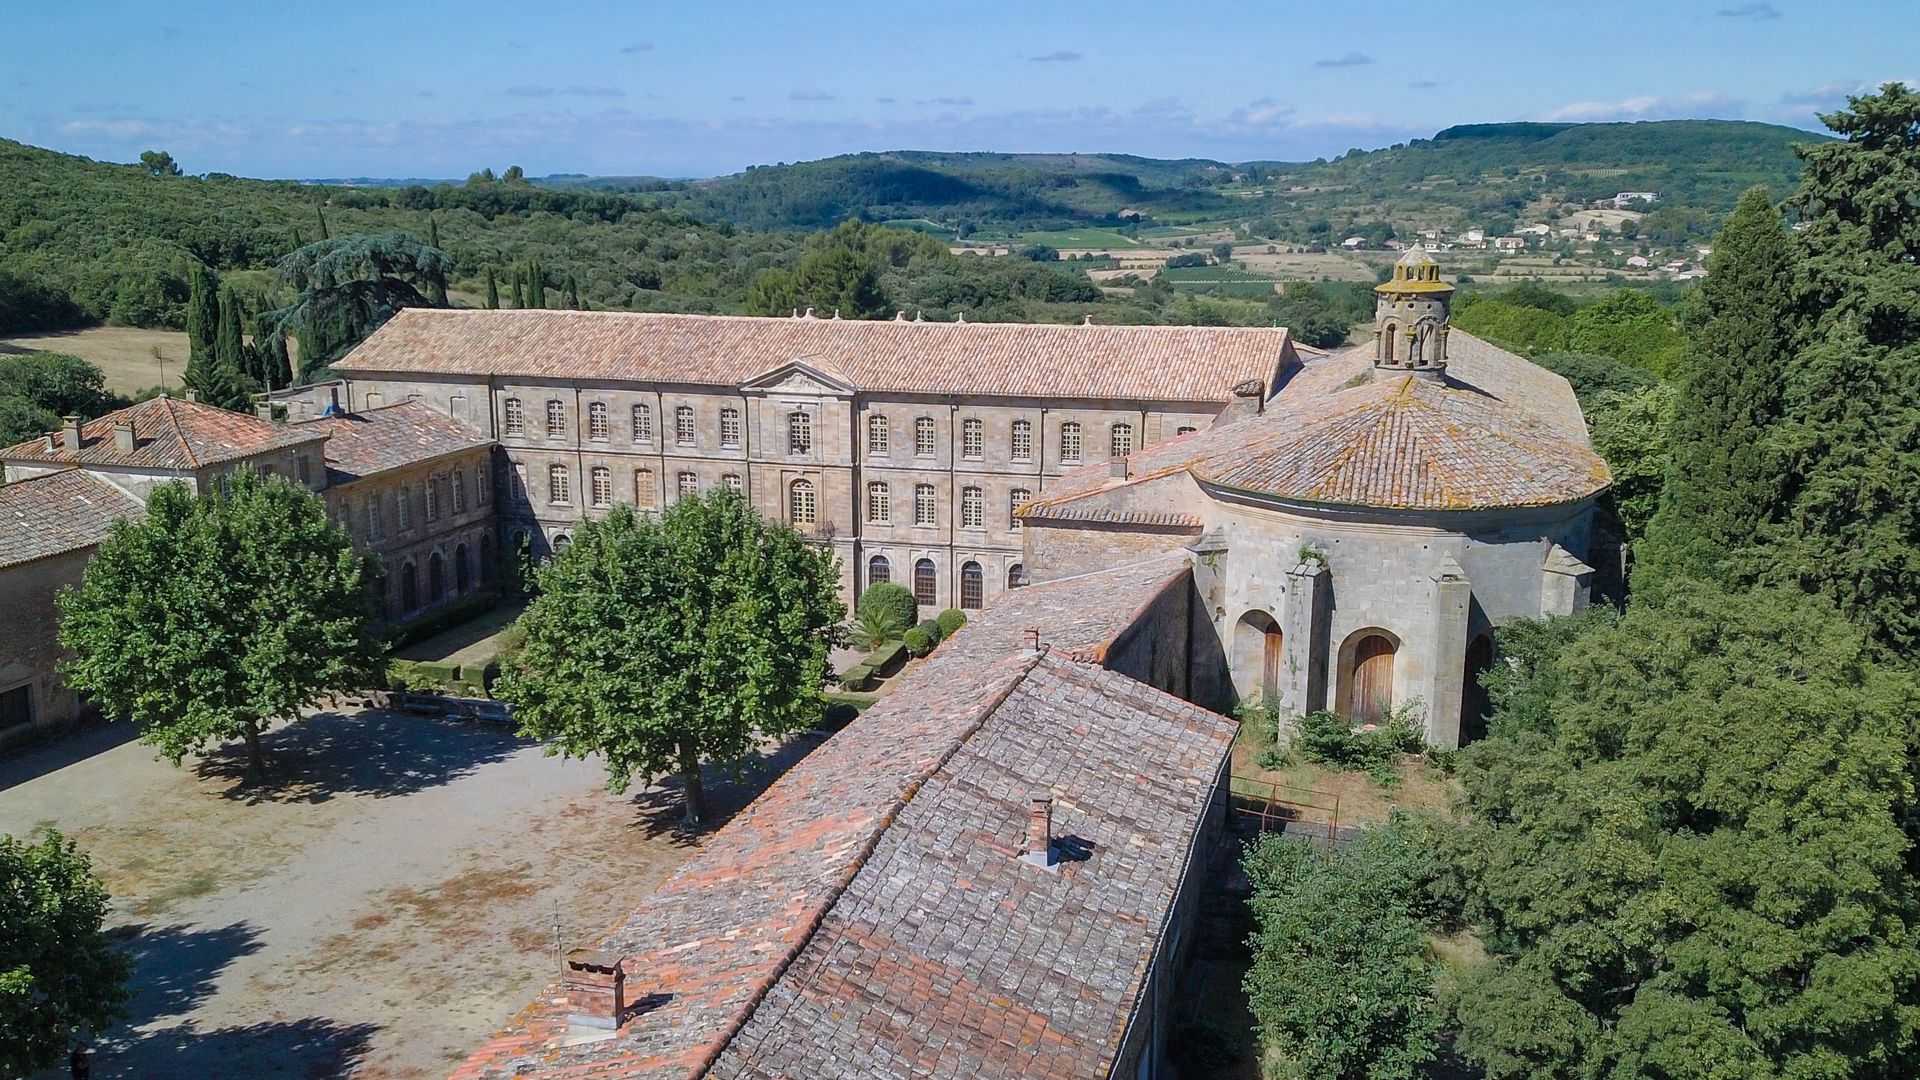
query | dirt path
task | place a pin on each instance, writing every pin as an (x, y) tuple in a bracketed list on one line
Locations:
[(378, 911)]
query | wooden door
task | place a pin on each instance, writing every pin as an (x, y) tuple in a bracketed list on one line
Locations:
[(1372, 692), (1270, 664)]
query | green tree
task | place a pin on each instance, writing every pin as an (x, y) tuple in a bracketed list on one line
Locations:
[(320, 217), (839, 281), (60, 976), (1852, 399), (1526, 329), (662, 643), (159, 163), (1691, 858), (519, 296), (219, 614), (536, 285), (773, 292), (347, 288), (1722, 492), (492, 301), (273, 365), (1632, 327), (60, 384), (437, 283), (232, 381), (1630, 430), (203, 312), (570, 293)]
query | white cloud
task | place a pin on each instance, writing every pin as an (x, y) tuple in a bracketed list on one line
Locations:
[(1058, 56), (809, 95), (1757, 11), (1649, 107), (1352, 59)]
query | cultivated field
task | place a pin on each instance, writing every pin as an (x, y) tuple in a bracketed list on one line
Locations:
[(386, 904), (126, 355), (1304, 265)]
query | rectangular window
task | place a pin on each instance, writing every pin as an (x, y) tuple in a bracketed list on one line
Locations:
[(597, 421), (516, 417), (559, 485), (459, 491), (683, 425), (433, 499), (556, 420), (923, 436), (1070, 443), (1119, 441), (732, 480), (973, 508), (1022, 442), (373, 517), (602, 490), (800, 502), (799, 433), (878, 437), (643, 488), (730, 427), (403, 509), (923, 504), (482, 486), (688, 484), (1015, 500), (306, 471), (879, 504), (642, 424), (972, 439), (519, 481)]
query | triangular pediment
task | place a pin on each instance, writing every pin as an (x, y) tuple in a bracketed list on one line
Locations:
[(805, 375)]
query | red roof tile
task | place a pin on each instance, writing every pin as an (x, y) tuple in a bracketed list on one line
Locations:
[(375, 440), (57, 512), (169, 434), (1136, 363)]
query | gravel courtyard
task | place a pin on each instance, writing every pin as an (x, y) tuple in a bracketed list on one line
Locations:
[(382, 904)]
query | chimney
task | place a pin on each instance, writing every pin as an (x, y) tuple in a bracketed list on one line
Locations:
[(70, 433), (1039, 846), (123, 436), (1033, 639), (1117, 468), (595, 986), (193, 395), (263, 408)]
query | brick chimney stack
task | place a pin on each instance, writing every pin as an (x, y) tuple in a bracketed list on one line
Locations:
[(70, 433), (1039, 846), (595, 986), (123, 436)]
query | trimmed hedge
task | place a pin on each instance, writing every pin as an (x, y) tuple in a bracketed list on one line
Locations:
[(400, 635), (951, 620), (888, 596), (887, 659), (918, 641)]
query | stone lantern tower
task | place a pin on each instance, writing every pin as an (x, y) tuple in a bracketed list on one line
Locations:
[(1410, 317)]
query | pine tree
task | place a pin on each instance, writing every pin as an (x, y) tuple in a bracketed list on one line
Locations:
[(1853, 397), (493, 291), (1723, 487)]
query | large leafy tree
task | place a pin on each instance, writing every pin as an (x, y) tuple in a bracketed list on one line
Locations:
[(1852, 455), (60, 976), (1631, 431), (347, 287), (37, 389), (219, 614), (1722, 491), (1692, 853), (833, 280), (662, 643), (1630, 326)]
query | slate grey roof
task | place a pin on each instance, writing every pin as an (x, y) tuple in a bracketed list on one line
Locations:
[(57, 512), (375, 440)]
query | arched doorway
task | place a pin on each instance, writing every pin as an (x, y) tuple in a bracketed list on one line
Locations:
[(409, 588), (1370, 684), (462, 575), (1474, 702), (926, 583), (436, 578), (1256, 655), (879, 571)]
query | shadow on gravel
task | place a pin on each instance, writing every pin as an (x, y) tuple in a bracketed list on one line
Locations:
[(174, 967), (366, 753), (294, 1049), (728, 791)]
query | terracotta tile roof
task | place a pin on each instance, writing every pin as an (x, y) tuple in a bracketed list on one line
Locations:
[(168, 434), (1498, 431), (57, 512), (883, 860), (1157, 363), (375, 440)]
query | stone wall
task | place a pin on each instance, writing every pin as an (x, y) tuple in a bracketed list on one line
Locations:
[(30, 647)]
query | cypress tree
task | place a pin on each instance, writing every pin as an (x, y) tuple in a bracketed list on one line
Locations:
[(519, 296), (570, 294), (437, 282), (1723, 494), (203, 323), (536, 285), (297, 242), (1852, 462), (229, 343), (270, 347), (321, 215), (493, 291)]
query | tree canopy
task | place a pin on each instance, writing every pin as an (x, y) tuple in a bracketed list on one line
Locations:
[(348, 286), (59, 973), (38, 389), (662, 643), (219, 614)]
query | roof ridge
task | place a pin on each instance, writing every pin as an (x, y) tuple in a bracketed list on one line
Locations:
[(693, 316)]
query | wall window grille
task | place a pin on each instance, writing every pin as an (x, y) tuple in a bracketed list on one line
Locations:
[(879, 571), (402, 509), (597, 421), (373, 517), (878, 438), (643, 488), (433, 498), (1022, 441), (516, 416), (923, 436), (482, 486), (556, 419), (879, 504), (800, 502), (730, 427), (687, 484), (1119, 441), (1070, 443), (799, 433), (1016, 499), (459, 491), (972, 438), (642, 423), (926, 583), (732, 480), (519, 481), (559, 487), (923, 504), (683, 425), (972, 586), (602, 486), (973, 508)]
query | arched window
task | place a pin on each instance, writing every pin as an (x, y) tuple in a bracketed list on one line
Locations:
[(879, 503), (409, 587), (800, 502), (973, 508), (1119, 441), (1016, 576), (556, 418), (1389, 338), (642, 423), (799, 433), (602, 488), (597, 421), (923, 436), (561, 543), (1256, 656), (686, 485), (879, 439), (683, 425), (559, 488), (1016, 499), (923, 508), (515, 416), (972, 586), (1020, 446), (1070, 443), (730, 426), (972, 438), (879, 571), (436, 578), (732, 480), (926, 583), (462, 572), (643, 496)]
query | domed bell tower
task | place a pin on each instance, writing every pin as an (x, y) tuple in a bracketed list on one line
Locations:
[(1410, 317)]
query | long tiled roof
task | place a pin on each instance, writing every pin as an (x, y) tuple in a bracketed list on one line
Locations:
[(168, 434), (375, 440), (1496, 431), (868, 910), (57, 512), (1146, 363)]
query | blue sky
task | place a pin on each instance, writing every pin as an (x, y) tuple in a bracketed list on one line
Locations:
[(421, 88)]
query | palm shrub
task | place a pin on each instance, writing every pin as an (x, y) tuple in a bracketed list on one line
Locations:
[(895, 599), (875, 626)]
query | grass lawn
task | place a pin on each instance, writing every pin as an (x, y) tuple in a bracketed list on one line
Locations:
[(125, 355), (1320, 792)]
